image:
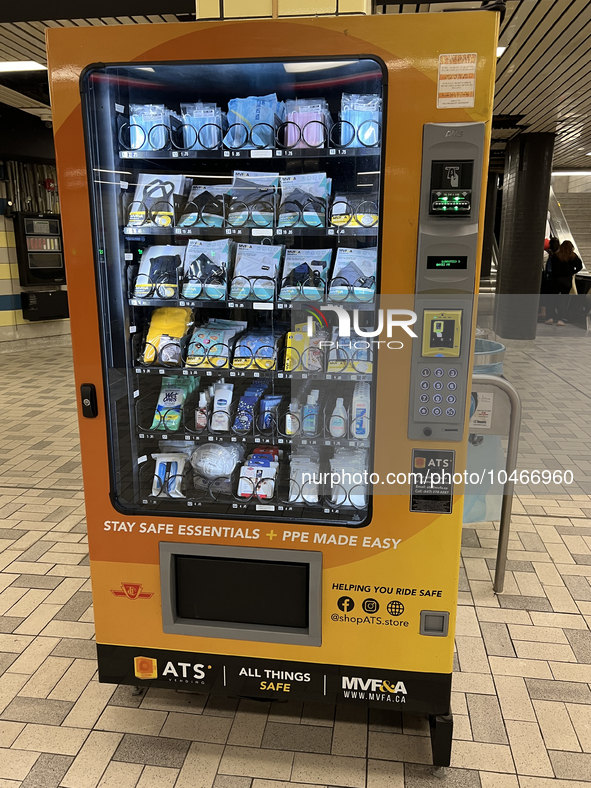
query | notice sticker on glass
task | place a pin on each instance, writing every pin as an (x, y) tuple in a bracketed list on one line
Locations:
[(481, 419), (456, 81)]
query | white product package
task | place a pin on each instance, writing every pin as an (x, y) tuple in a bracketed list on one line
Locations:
[(216, 460), (255, 272), (158, 272)]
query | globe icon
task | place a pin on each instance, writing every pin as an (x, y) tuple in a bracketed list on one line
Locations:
[(395, 608)]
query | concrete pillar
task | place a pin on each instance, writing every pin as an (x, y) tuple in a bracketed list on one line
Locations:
[(526, 189), (492, 188)]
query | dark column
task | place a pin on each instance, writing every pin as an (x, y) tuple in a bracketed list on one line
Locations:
[(492, 187), (526, 189)]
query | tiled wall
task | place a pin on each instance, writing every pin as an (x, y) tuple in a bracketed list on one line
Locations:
[(13, 326), (238, 9), (571, 184)]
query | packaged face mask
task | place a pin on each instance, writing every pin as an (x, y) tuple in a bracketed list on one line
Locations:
[(206, 206), (163, 341), (252, 121), (304, 353), (304, 200), (304, 469), (216, 460), (309, 123), (211, 344), (255, 272), (158, 272), (354, 275), (346, 463), (246, 407), (149, 126), (206, 269), (173, 394), (168, 475), (258, 348), (354, 210), (305, 274), (203, 125), (257, 480), (361, 117), (345, 356), (253, 199), (154, 200)]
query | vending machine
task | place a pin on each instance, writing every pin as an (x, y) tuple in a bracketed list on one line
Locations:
[(272, 233)]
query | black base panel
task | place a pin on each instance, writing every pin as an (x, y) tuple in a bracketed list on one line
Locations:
[(403, 691)]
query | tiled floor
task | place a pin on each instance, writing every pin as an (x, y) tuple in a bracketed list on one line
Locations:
[(522, 697)]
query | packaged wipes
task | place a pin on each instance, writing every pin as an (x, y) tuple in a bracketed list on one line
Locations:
[(174, 392)]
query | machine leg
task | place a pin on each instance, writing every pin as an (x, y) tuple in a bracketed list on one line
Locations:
[(442, 727)]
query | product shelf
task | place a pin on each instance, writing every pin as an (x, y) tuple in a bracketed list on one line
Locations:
[(244, 233), (255, 305), (253, 153), (225, 372)]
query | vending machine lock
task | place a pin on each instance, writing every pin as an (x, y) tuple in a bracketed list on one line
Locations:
[(89, 402)]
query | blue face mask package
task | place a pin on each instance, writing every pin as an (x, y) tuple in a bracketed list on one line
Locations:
[(361, 120), (304, 199), (252, 121), (203, 126), (149, 126), (158, 272), (253, 199), (354, 275), (305, 274), (206, 268), (257, 348), (255, 272)]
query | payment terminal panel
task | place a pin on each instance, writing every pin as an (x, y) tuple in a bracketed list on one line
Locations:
[(445, 279)]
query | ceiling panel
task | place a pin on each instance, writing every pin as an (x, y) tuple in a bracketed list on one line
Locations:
[(543, 77)]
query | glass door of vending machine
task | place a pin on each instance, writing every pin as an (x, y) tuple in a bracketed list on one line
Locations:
[(234, 205)]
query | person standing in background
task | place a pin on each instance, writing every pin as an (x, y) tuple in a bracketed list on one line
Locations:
[(563, 265), (551, 247)]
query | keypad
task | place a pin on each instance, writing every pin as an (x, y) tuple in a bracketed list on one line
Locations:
[(435, 399)]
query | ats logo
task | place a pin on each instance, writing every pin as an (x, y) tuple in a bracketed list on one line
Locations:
[(132, 591), (145, 668)]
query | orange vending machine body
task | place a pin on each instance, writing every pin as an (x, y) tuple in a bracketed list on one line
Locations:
[(244, 205)]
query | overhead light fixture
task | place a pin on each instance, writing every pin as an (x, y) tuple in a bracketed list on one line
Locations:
[(21, 65), (300, 68), (500, 51), (572, 172)]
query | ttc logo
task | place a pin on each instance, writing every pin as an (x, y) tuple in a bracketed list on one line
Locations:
[(132, 591)]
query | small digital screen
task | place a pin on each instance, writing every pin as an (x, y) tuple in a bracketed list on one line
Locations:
[(447, 262), (262, 593)]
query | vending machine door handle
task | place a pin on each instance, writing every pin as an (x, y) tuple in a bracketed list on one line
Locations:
[(89, 402)]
